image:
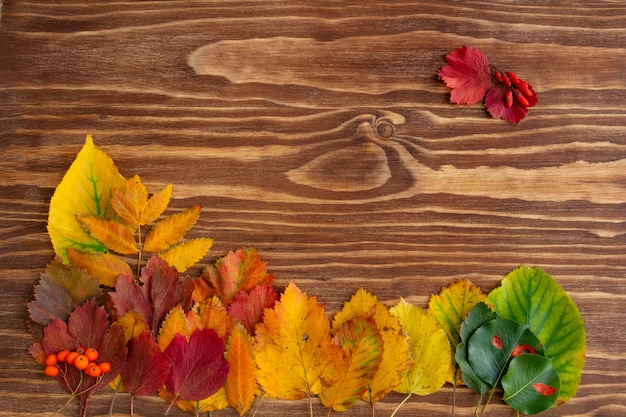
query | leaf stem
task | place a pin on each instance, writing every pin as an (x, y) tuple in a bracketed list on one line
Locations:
[(401, 404)]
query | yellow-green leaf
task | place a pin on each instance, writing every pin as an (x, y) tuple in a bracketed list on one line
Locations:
[(430, 350), (450, 307), (113, 234), (130, 201), (105, 267), (170, 230), (362, 348), (241, 386), (156, 205), (187, 254), (85, 189)]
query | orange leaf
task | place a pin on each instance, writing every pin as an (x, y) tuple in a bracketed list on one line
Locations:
[(293, 350), (114, 235), (187, 254), (211, 314), (156, 205), (170, 230), (175, 322), (241, 385), (129, 202), (105, 267)]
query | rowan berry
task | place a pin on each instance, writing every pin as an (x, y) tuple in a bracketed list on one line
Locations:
[(51, 370), (105, 367), (51, 359), (80, 350), (71, 357), (81, 362), (93, 370), (62, 355), (92, 354)]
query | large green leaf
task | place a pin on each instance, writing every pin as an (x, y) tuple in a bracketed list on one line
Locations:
[(531, 384), (85, 189), (531, 296)]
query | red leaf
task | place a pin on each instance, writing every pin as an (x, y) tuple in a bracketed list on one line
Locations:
[(199, 368), (467, 74), (146, 367), (497, 107), (248, 308), (161, 290)]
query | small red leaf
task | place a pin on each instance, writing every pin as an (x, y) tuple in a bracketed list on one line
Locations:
[(543, 389), (497, 105), (146, 366), (199, 368), (247, 308), (467, 74)]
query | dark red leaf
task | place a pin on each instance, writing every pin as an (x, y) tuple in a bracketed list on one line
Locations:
[(248, 308), (468, 74), (497, 107), (146, 366), (199, 368)]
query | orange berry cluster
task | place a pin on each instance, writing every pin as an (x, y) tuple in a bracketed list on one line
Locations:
[(81, 358)]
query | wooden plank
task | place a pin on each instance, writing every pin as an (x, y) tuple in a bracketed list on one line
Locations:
[(319, 133)]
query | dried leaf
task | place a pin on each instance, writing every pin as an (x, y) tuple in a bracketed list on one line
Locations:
[(467, 74), (247, 308), (362, 348), (170, 230), (133, 324), (175, 323), (130, 201), (114, 235), (105, 267), (85, 189), (210, 314), (146, 366), (293, 349), (215, 402), (155, 206), (241, 386), (187, 254)]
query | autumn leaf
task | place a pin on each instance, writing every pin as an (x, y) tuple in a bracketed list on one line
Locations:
[(362, 346), (155, 206), (175, 322), (215, 402), (395, 358), (430, 350), (114, 235), (105, 267), (239, 270), (130, 201), (85, 189), (199, 368), (450, 307), (247, 308), (170, 230), (241, 386), (293, 349), (187, 254), (467, 74), (212, 314), (133, 324)]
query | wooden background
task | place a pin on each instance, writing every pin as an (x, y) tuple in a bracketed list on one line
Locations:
[(318, 132)]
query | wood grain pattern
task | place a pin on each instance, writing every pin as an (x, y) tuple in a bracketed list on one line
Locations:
[(319, 133)]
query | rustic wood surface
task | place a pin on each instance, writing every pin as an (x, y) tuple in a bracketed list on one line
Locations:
[(318, 132)]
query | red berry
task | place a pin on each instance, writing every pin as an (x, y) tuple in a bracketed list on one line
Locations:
[(51, 359), (509, 98), (498, 76), (105, 367), (507, 80), (81, 362), (521, 99), (51, 370), (62, 355), (92, 354), (513, 77), (71, 357)]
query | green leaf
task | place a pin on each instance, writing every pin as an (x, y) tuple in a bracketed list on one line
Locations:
[(478, 316), (531, 384), (531, 296), (85, 189)]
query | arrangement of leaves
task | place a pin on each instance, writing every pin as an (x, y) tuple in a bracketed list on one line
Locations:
[(470, 76), (226, 337)]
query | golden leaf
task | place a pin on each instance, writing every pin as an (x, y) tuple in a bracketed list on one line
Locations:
[(133, 324), (130, 201), (187, 254), (170, 230), (211, 314), (215, 402), (362, 347), (241, 386), (85, 189), (293, 349), (105, 267), (113, 234), (156, 205), (430, 350), (175, 322)]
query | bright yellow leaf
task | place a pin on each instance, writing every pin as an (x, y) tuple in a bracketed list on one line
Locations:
[(241, 386), (130, 201), (156, 205), (186, 254), (85, 189), (362, 348), (449, 308), (170, 230), (293, 348), (175, 322), (430, 350), (105, 267), (215, 402), (133, 324), (113, 234)]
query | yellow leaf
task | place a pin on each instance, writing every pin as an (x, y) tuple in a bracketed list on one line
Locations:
[(362, 347), (170, 230), (293, 350), (156, 205), (175, 322), (113, 234), (130, 201), (133, 324), (241, 385), (395, 353), (105, 267), (85, 189), (215, 402), (429, 347), (211, 314), (449, 308), (187, 254)]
